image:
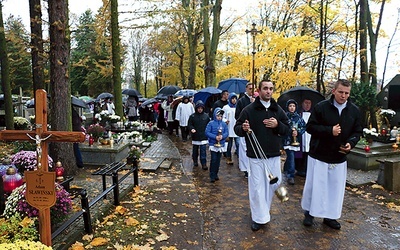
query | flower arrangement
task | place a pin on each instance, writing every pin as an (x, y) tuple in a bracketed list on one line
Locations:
[(17, 204), (135, 151), (114, 118), (21, 123), (104, 115), (386, 116), (17, 227), (96, 130), (27, 160), (135, 124), (32, 119), (370, 134)]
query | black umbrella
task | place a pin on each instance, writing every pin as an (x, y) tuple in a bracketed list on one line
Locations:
[(298, 94), (131, 92), (168, 90), (149, 101), (78, 102), (104, 95)]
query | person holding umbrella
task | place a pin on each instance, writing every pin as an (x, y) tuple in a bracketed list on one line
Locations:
[(131, 108)]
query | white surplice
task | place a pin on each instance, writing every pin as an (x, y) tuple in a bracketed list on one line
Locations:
[(323, 192), (261, 192), (243, 159)]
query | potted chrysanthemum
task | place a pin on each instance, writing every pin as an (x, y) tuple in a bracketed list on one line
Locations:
[(17, 204), (27, 161), (96, 131), (21, 123), (135, 152)]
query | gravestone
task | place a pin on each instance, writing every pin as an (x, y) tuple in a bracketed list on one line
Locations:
[(40, 184), (389, 98)]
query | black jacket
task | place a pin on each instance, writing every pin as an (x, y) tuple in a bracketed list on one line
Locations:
[(323, 145), (241, 104), (198, 121), (269, 139)]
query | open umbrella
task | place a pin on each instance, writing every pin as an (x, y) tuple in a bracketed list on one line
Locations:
[(185, 92), (104, 95), (86, 98), (299, 93), (78, 102), (203, 94), (149, 101), (131, 92), (167, 90), (237, 85)]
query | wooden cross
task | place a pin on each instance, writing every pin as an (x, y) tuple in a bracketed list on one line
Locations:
[(43, 193)]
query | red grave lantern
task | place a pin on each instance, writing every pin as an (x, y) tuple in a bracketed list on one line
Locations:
[(59, 171), (11, 180)]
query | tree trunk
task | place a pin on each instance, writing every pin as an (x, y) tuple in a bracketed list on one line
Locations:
[(60, 100), (5, 76), (206, 42), (373, 40), (35, 11), (193, 39), (211, 43), (363, 42), (116, 58)]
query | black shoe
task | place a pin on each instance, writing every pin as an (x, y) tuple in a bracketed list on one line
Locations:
[(212, 180), (255, 226), (332, 223), (195, 164), (204, 167), (290, 181), (246, 174), (217, 178), (308, 219)]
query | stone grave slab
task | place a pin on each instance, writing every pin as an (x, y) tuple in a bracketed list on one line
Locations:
[(166, 164), (150, 163)]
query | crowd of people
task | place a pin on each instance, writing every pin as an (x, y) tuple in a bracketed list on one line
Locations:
[(254, 128), (315, 137)]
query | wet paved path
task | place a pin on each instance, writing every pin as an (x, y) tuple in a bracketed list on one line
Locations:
[(226, 214)]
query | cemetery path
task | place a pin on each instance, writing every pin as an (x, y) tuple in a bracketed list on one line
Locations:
[(179, 208)]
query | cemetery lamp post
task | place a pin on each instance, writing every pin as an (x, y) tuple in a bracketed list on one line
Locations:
[(253, 33)]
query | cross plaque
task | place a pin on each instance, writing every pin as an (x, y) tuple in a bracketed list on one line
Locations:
[(40, 191)]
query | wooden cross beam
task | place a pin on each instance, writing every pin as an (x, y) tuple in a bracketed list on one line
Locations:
[(41, 183)]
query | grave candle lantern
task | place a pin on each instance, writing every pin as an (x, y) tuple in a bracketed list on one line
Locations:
[(59, 171), (11, 180)]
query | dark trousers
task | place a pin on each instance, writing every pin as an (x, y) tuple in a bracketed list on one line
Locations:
[(78, 155), (214, 164), (173, 125), (230, 144), (203, 154), (184, 132)]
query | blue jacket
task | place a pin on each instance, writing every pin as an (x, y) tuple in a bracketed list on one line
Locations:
[(212, 129)]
